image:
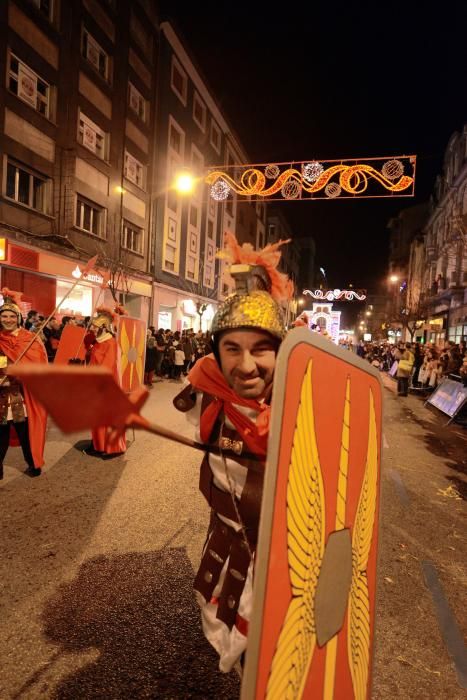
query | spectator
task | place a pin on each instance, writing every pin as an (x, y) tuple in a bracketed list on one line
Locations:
[(150, 360), (406, 361), (31, 318)]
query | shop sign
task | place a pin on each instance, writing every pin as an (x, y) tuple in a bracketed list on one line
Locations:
[(89, 138), (90, 277), (189, 307), (3, 245)]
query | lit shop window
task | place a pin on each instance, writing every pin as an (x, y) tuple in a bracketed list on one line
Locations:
[(90, 217), (178, 80), (28, 188), (199, 112), (136, 102), (132, 237), (92, 137), (134, 170), (28, 86), (95, 54)]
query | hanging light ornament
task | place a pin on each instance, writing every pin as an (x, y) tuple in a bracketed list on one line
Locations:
[(312, 171), (272, 171), (220, 190), (393, 169), (291, 190), (333, 190)]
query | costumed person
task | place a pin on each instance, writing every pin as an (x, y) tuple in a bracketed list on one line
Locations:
[(228, 399), (21, 417), (302, 321), (104, 352)]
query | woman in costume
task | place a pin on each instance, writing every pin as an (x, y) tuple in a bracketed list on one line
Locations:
[(21, 417)]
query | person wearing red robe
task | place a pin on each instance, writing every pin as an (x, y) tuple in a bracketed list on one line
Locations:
[(22, 418), (104, 353)]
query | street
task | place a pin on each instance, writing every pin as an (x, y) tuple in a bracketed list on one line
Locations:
[(98, 559)]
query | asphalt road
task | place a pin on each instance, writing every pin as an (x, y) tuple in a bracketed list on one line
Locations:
[(98, 559)]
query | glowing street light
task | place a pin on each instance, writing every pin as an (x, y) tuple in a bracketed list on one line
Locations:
[(394, 278), (184, 183)]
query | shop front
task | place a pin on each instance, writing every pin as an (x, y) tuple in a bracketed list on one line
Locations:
[(48, 281), (175, 310)]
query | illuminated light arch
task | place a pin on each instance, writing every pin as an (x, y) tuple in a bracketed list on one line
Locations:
[(336, 294), (343, 179)]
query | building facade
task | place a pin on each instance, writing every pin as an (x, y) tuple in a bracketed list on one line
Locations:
[(444, 279), (77, 113)]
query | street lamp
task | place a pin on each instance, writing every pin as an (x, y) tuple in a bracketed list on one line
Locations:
[(394, 278), (184, 183)]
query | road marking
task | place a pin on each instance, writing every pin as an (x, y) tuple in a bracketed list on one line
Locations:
[(400, 488), (447, 623), (385, 442)]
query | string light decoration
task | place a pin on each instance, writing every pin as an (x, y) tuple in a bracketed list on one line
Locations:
[(367, 177), (312, 171), (220, 190), (272, 171), (291, 190), (392, 169), (336, 294), (333, 189)]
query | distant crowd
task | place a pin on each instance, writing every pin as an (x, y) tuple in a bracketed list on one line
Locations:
[(431, 363), (171, 354)]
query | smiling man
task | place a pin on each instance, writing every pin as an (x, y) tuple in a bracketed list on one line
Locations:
[(228, 401), (21, 416)]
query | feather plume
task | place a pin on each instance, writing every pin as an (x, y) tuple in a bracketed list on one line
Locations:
[(11, 294), (269, 257)]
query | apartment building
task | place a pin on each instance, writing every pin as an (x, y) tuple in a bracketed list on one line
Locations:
[(77, 113), (444, 280), (192, 135)]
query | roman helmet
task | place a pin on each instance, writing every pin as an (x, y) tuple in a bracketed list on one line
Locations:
[(11, 301), (260, 289)]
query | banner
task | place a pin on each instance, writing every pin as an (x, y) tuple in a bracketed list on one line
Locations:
[(71, 345), (449, 397), (27, 85)]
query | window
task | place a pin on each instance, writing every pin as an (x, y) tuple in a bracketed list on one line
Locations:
[(215, 137), (194, 216), (92, 136), (134, 170), (45, 7), (190, 267), (199, 112), (175, 139), (25, 187), (178, 80), (136, 102), (132, 237), (90, 217), (28, 86), (95, 54)]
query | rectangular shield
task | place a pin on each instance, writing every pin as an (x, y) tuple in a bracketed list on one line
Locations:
[(131, 340), (312, 629), (71, 345)]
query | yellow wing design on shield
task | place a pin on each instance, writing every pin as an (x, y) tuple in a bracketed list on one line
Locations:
[(358, 642), (305, 546)]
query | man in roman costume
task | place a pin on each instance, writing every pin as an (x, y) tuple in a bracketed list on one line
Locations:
[(22, 418), (228, 399)]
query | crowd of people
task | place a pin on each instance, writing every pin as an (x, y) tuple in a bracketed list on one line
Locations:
[(424, 366), (170, 355)]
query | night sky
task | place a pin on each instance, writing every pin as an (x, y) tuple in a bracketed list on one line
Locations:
[(338, 80)]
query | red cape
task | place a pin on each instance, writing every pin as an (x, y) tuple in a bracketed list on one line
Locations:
[(105, 355), (12, 346)]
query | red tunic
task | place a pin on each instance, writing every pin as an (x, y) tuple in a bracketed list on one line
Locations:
[(12, 346), (105, 354)]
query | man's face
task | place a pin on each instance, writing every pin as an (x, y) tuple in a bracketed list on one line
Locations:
[(248, 358), (8, 321)]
